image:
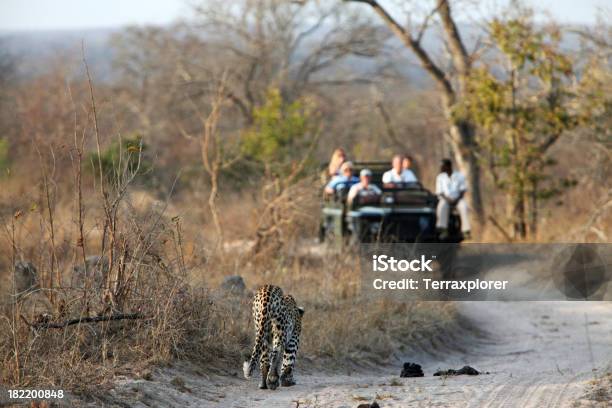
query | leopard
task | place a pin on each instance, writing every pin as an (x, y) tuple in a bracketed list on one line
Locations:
[(278, 325)]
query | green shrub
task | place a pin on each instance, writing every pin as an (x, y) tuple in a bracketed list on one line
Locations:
[(281, 133), (122, 159)]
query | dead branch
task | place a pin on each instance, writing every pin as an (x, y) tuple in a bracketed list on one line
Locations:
[(425, 24), (281, 209), (388, 122), (500, 228), (459, 54), (93, 319), (415, 45)]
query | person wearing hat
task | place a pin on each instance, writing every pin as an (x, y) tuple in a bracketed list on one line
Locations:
[(364, 189), (345, 179), (451, 187)]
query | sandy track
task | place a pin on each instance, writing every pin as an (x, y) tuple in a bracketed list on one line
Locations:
[(538, 354)]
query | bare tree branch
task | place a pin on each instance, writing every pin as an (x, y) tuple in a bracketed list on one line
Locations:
[(460, 57), (425, 23), (95, 319), (426, 61)]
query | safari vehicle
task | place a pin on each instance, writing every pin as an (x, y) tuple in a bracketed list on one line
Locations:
[(403, 214)]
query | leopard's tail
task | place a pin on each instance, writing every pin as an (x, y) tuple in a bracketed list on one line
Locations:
[(248, 368)]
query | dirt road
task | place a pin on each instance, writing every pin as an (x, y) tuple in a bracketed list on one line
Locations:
[(537, 353)]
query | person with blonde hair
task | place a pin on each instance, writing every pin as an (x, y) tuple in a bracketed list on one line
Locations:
[(337, 159)]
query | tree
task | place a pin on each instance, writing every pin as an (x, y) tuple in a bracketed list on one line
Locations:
[(595, 105), (522, 110), (218, 153), (289, 45), (255, 45), (595, 86), (280, 132), (281, 140), (452, 84)]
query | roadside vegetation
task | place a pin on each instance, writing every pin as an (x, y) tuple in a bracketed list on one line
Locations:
[(125, 204)]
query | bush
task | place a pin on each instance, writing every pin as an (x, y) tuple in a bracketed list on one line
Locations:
[(123, 159), (281, 132)]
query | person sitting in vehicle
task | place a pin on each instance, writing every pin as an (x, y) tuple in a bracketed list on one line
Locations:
[(336, 161), (451, 187), (397, 176), (408, 163), (344, 180), (365, 190)]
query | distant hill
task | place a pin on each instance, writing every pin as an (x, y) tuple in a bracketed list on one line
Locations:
[(34, 49)]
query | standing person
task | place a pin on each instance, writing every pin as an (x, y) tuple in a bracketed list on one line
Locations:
[(450, 189), (338, 157), (364, 189), (346, 179), (397, 175)]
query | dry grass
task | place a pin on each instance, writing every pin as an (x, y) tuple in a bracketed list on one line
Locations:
[(164, 269), (598, 392), (165, 266)]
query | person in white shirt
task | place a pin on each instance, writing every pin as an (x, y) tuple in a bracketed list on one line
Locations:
[(397, 175), (366, 191), (451, 187)]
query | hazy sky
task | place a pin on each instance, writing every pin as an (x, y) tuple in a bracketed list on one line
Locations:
[(70, 14)]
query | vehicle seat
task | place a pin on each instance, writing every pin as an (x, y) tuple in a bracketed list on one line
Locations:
[(361, 201)]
